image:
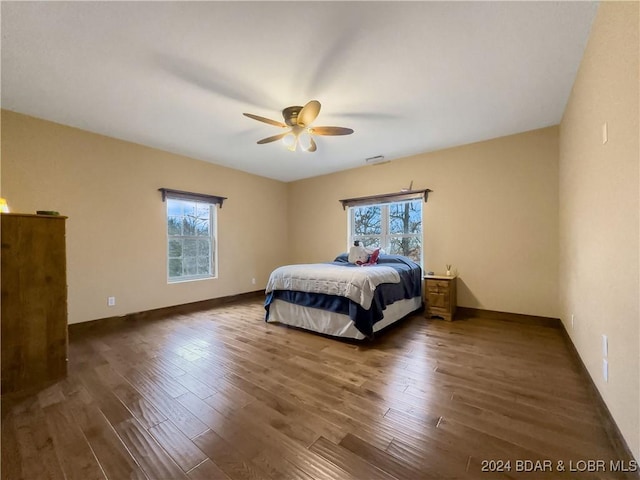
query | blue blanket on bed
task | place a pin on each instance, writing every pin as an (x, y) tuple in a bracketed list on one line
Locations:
[(410, 286)]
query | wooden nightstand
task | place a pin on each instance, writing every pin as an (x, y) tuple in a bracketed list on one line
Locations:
[(440, 296)]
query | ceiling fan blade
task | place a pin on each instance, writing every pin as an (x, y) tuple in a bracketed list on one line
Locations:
[(272, 139), (331, 131), (312, 146), (265, 120), (308, 113)]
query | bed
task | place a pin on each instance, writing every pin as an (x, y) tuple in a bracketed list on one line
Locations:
[(342, 299)]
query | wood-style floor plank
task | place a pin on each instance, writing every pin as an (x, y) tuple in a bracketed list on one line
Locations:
[(144, 411), (76, 456), (381, 459), (153, 459), (34, 447), (348, 461), (113, 456), (220, 394), (10, 454), (207, 470), (180, 448), (190, 425), (226, 457)]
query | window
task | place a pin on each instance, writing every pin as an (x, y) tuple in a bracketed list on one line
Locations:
[(395, 227), (191, 234)]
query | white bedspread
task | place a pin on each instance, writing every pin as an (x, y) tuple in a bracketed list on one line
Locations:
[(355, 283)]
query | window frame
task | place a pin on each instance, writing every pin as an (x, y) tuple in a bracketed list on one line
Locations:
[(385, 237), (212, 237)]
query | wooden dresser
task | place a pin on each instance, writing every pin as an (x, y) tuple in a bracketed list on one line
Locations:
[(440, 296), (34, 301)]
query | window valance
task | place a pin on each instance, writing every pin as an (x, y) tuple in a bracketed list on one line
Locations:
[(386, 198), (170, 193)]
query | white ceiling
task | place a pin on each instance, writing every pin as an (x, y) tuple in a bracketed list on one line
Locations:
[(407, 77)]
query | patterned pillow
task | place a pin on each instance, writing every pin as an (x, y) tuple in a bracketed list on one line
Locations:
[(373, 259)]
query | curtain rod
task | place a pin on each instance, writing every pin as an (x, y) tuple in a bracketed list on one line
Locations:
[(385, 198)]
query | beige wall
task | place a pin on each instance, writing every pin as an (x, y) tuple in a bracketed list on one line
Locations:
[(116, 234), (599, 212), (493, 214)]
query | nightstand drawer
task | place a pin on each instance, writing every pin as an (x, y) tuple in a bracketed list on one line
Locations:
[(437, 285), (438, 299)]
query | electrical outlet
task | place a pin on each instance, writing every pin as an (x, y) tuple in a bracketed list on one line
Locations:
[(111, 301), (605, 133), (253, 281), (605, 370), (605, 346)]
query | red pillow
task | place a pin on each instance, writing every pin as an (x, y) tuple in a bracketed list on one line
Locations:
[(373, 259)]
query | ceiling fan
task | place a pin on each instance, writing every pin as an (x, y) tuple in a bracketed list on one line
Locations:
[(299, 119)]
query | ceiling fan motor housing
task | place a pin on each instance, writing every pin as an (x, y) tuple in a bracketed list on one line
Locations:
[(290, 115)]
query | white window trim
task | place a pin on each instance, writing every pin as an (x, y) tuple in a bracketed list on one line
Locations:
[(213, 229)]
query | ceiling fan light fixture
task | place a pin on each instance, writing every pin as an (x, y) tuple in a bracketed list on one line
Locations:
[(290, 140), (305, 140)]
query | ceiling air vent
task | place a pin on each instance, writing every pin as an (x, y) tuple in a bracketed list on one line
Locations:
[(376, 160)]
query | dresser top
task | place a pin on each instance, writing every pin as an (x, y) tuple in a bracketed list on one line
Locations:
[(33, 215)]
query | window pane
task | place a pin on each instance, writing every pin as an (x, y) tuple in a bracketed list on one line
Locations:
[(190, 267), (370, 242), (203, 213), (408, 246), (203, 247), (175, 267), (203, 265), (405, 217), (202, 226), (203, 209), (367, 221), (174, 225), (174, 207), (190, 248), (175, 248), (189, 225), (189, 208)]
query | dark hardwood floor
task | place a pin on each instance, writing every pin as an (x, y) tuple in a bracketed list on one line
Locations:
[(219, 394)]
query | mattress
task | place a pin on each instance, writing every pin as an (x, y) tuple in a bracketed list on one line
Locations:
[(336, 324)]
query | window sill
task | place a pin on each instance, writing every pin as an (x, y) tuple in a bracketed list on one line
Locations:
[(191, 279)]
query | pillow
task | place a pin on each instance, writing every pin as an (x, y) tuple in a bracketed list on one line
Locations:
[(342, 258), (373, 258), (357, 254)]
